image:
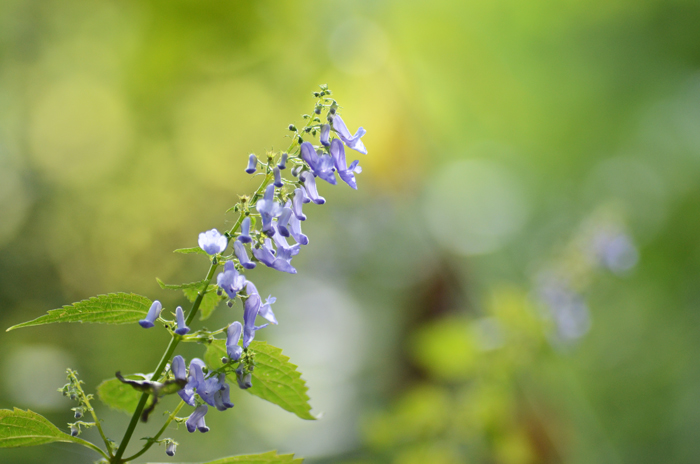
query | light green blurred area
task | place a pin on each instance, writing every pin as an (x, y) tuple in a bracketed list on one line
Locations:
[(504, 138)]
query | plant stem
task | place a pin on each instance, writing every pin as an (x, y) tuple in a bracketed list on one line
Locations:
[(84, 398), (160, 432), (117, 459)]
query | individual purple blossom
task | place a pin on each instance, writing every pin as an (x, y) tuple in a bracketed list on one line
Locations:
[(196, 419), (182, 328), (242, 255), (208, 388), (321, 165), (252, 164), (195, 377), (265, 255), (170, 448), (152, 315), (212, 242), (283, 220), (233, 335), (244, 237), (297, 203), (268, 209), (266, 310), (295, 229), (310, 186), (178, 368), (222, 398), (283, 162), (250, 312), (230, 280), (347, 174), (352, 141), (243, 378), (325, 135), (278, 177)]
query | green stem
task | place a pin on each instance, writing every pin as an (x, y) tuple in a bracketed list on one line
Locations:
[(160, 432), (86, 401), (92, 446), (117, 459)]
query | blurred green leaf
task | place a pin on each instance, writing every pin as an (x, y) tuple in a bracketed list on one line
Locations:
[(209, 302), (275, 379), (113, 308), (186, 251), (27, 428), (118, 395), (270, 457)]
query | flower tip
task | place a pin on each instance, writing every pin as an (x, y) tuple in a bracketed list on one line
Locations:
[(182, 330), (146, 324)]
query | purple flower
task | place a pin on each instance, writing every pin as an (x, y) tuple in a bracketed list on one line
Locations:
[(250, 312), (233, 335), (242, 255), (196, 419), (268, 209), (322, 165), (310, 186), (152, 315), (178, 368), (284, 219), (212, 242), (230, 280), (352, 141), (265, 255), (297, 203), (195, 377), (244, 237), (346, 173), (182, 328), (170, 448), (278, 178), (243, 378), (325, 135), (222, 398), (266, 310), (283, 162), (252, 164), (208, 388), (295, 229)]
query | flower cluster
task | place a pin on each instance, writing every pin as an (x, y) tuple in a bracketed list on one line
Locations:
[(268, 221)]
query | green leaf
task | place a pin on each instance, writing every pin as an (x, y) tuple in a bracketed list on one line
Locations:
[(271, 457), (118, 395), (209, 302), (194, 285), (186, 251), (275, 379), (27, 428), (113, 308)]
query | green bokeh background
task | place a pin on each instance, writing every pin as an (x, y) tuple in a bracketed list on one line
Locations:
[(499, 134)]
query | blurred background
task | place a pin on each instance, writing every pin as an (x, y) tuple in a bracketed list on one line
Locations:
[(514, 282)]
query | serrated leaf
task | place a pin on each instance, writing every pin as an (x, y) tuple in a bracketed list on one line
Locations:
[(275, 379), (271, 457), (186, 251), (194, 285), (119, 396), (27, 428), (113, 308), (209, 303)]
